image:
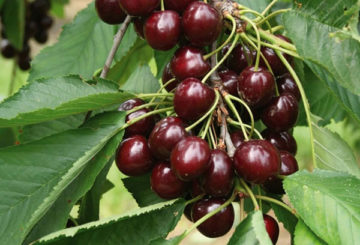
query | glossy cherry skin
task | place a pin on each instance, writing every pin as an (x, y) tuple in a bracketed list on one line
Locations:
[(201, 23), (130, 104), (193, 99), (237, 138), (256, 161), (189, 62), (286, 84), (240, 58), (167, 76), (165, 183), (162, 29), (256, 88), (133, 156), (230, 80), (165, 135), (139, 7), (144, 126), (271, 227), (190, 158), (218, 180), (110, 11), (7, 50), (219, 224), (289, 166), (281, 114), (139, 23), (177, 5), (283, 141)]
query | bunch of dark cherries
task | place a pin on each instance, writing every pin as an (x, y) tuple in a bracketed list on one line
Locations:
[(182, 164), (37, 24)]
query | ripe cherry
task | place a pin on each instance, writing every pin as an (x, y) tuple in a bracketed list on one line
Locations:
[(283, 141), (237, 138), (139, 23), (167, 76), (202, 23), (219, 224), (133, 156), (190, 158), (177, 5), (256, 161), (240, 58), (281, 114), (189, 62), (110, 11), (286, 84), (230, 81), (7, 50), (165, 135), (256, 88), (218, 180), (139, 7), (271, 227), (162, 29), (130, 104), (165, 183)]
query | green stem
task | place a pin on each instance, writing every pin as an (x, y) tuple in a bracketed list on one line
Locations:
[(242, 210), (259, 191), (163, 86), (274, 39), (277, 28), (162, 5), (233, 109), (273, 14), (12, 79), (269, 7), (249, 111), (195, 199), (234, 123), (250, 193), (277, 202), (145, 96), (147, 105), (212, 138), (206, 128), (258, 40), (256, 14)]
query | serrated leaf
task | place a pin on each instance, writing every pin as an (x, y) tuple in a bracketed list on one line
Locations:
[(7, 137), (328, 202), (50, 99), (14, 21), (304, 236), (251, 231), (57, 7), (284, 216), (33, 176), (257, 5), (138, 227), (140, 189)]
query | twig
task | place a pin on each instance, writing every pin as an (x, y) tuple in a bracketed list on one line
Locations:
[(12, 80)]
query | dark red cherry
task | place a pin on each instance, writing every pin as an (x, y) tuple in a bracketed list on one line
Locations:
[(190, 158), (219, 224), (193, 99), (256, 88), (133, 157), (144, 126), (130, 104), (196, 189), (281, 114), (7, 50), (283, 141), (177, 5), (240, 58), (167, 76), (162, 29), (218, 180), (165, 183), (256, 161), (286, 84), (139, 7), (271, 227), (139, 26), (189, 62), (110, 11), (165, 135), (237, 138), (201, 23), (230, 80)]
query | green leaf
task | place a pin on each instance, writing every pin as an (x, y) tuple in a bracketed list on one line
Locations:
[(251, 231), (162, 58), (140, 189), (33, 176), (137, 227), (128, 41), (57, 7), (14, 21), (284, 216), (50, 99), (328, 202), (257, 5), (1, 3), (304, 236), (7, 137), (56, 218)]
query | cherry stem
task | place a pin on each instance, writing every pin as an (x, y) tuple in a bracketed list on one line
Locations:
[(212, 138), (233, 109), (259, 191), (269, 7), (144, 96), (162, 5), (242, 210), (195, 199), (147, 105), (277, 28), (234, 123), (277, 202), (273, 14), (256, 14), (257, 61), (250, 193), (163, 86), (274, 39), (206, 128)]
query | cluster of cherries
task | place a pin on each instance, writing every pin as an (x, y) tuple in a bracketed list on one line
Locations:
[(178, 159), (37, 25)]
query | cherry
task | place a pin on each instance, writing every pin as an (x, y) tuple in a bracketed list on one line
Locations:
[(283, 141), (144, 126), (7, 50), (165, 183), (177, 5), (289, 166), (167, 76), (110, 11), (256, 161), (220, 223), (256, 88), (281, 114), (237, 138), (139, 7), (240, 58), (46, 22), (189, 62), (230, 81), (24, 63), (130, 104), (202, 23), (165, 135), (139, 26), (218, 180), (133, 156), (41, 6), (41, 36), (287, 84), (271, 227), (162, 29), (190, 158), (193, 99), (196, 189)]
